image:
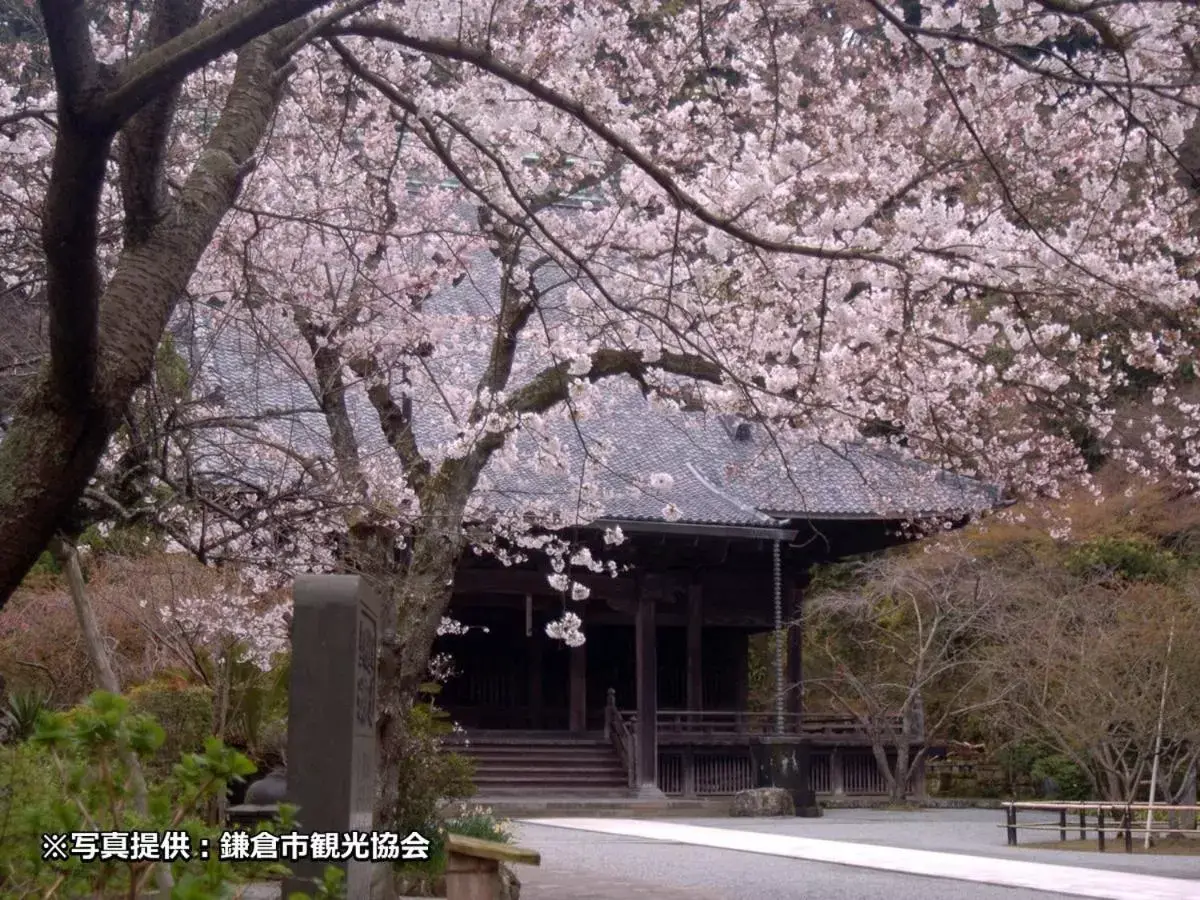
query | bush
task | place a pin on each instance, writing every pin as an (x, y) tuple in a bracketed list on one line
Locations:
[(27, 780), (1073, 782), (185, 712)]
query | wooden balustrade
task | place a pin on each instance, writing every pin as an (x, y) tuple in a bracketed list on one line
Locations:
[(717, 726), (621, 736)]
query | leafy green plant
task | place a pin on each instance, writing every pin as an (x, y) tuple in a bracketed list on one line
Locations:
[(257, 699), (74, 776), (1134, 559), (19, 718), (332, 886)]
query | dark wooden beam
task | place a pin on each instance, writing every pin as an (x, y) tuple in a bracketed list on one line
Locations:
[(598, 613), (741, 668), (535, 676), (695, 621), (578, 687), (645, 639), (520, 581)]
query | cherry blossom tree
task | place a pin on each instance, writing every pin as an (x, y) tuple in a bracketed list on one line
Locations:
[(966, 230)]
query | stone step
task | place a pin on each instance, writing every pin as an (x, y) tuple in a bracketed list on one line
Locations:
[(546, 766), (549, 769), (536, 777), (515, 740), (610, 793), (533, 765), (541, 756)]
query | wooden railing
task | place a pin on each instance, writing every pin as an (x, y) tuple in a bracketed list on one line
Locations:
[(619, 734), (700, 724)]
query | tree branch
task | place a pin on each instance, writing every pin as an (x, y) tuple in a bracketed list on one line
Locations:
[(52, 448), (395, 419), (552, 385), (69, 217), (76, 71), (168, 64), (484, 61), (144, 139)]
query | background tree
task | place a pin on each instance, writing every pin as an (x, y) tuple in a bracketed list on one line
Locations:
[(902, 650), (1046, 627)]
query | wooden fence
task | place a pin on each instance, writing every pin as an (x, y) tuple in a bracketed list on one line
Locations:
[(1124, 820)]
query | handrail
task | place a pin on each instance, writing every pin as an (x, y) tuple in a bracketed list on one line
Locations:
[(618, 734)]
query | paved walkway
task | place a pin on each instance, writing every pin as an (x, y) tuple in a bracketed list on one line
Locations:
[(953, 868), (581, 865), (975, 832), (538, 883)]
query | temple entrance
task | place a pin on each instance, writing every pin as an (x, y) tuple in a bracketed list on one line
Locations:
[(511, 676), (509, 679)]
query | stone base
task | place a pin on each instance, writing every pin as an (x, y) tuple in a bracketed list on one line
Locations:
[(809, 812), (763, 802), (649, 792)]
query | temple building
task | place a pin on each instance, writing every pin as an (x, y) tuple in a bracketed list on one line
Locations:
[(720, 531), (657, 698)]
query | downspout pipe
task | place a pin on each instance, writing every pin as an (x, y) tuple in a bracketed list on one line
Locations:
[(779, 644)]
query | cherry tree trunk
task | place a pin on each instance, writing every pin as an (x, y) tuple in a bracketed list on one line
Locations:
[(416, 595)]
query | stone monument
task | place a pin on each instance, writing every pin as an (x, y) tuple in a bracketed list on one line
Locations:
[(784, 763), (331, 720)]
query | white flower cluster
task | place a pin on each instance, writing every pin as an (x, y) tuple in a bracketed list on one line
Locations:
[(227, 618), (568, 629), (451, 626)]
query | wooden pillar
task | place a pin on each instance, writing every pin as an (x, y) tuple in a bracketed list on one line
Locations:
[(535, 679), (695, 624), (837, 772), (689, 772), (794, 673), (578, 698), (647, 693)]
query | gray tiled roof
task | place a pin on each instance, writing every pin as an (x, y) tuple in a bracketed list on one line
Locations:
[(713, 477)]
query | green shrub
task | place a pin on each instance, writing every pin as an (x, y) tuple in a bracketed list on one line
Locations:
[(1073, 782), (27, 780), (257, 701), (1134, 559), (185, 712), (429, 773)]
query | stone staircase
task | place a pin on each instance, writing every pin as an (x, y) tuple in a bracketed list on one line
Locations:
[(529, 765)]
